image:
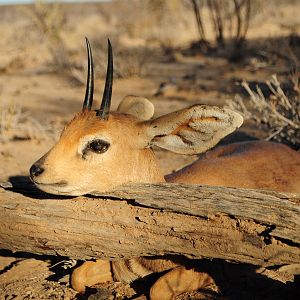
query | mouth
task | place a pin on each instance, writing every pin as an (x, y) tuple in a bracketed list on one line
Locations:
[(54, 184), (59, 188)]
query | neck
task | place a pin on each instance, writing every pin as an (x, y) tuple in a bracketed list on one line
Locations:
[(149, 170)]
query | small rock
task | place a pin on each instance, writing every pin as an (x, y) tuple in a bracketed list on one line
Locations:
[(65, 279)]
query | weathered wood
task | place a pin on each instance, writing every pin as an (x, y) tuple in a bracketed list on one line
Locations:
[(258, 227)]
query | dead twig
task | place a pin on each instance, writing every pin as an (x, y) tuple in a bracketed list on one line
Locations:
[(278, 115)]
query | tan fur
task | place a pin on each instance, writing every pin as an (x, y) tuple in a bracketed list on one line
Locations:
[(177, 281), (88, 274), (258, 165), (139, 107), (132, 269), (254, 165), (125, 161)]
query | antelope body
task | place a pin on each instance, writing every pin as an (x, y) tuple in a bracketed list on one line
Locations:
[(99, 150)]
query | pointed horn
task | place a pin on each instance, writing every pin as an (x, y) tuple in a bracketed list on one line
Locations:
[(89, 93), (103, 113)]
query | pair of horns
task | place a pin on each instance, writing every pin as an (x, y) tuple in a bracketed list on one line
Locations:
[(103, 112)]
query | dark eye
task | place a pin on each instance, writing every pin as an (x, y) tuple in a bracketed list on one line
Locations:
[(98, 146)]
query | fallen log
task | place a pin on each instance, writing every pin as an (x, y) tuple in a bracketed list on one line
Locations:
[(248, 226)]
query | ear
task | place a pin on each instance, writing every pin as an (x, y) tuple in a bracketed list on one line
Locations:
[(192, 130), (139, 107)]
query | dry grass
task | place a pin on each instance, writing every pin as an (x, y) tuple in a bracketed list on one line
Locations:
[(131, 62), (158, 23), (278, 115), (49, 20), (128, 61), (15, 124)]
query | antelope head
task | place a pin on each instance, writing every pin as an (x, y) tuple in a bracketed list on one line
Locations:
[(99, 150)]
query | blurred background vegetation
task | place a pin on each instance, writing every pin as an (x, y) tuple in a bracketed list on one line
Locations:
[(207, 51)]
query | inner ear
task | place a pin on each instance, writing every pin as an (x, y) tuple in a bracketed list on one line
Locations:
[(192, 130), (139, 107)]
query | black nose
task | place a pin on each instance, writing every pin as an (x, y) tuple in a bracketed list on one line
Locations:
[(35, 170)]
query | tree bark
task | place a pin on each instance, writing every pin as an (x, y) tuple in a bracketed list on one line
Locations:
[(248, 226)]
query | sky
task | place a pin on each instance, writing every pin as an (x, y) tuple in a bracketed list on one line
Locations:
[(30, 1), (14, 1)]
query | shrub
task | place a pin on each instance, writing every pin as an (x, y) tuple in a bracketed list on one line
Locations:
[(277, 115)]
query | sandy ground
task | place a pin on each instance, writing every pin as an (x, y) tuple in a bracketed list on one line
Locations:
[(38, 100)]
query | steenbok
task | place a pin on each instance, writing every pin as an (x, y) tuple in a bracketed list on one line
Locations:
[(99, 150)]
